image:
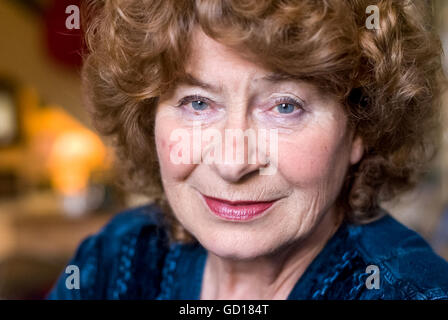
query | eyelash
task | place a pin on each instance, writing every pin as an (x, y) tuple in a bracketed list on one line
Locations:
[(295, 102), (188, 99)]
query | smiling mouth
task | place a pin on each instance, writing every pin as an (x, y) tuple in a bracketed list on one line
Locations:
[(237, 210)]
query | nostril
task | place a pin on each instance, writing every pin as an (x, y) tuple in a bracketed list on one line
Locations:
[(236, 173), (248, 176), (231, 175)]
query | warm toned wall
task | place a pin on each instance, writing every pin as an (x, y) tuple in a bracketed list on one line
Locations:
[(23, 57)]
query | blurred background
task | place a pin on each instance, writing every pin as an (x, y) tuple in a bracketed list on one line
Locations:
[(56, 174)]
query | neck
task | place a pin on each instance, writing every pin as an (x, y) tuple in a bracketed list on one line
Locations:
[(270, 277)]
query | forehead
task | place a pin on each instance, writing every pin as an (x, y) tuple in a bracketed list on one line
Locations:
[(208, 56), (212, 62)]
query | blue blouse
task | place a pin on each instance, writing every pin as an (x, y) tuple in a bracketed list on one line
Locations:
[(131, 258)]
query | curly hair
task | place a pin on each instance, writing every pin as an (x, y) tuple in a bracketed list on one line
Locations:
[(389, 79)]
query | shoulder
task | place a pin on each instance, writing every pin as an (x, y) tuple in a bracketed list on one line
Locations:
[(131, 223), (407, 265), (107, 260)]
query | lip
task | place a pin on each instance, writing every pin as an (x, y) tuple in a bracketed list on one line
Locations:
[(237, 210)]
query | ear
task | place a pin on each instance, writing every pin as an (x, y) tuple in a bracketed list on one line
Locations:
[(357, 150)]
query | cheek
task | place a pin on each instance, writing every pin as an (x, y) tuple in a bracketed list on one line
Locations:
[(170, 171), (312, 158)]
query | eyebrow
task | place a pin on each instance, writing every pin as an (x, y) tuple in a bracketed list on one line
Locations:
[(190, 80), (278, 76)]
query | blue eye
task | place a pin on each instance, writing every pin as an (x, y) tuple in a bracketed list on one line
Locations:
[(199, 105), (285, 108)]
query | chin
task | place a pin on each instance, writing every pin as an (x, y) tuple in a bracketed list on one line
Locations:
[(237, 244)]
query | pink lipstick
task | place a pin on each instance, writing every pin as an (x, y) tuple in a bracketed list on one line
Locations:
[(237, 210)]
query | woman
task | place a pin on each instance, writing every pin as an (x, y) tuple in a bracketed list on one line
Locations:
[(338, 117)]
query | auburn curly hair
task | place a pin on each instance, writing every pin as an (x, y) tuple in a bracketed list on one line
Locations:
[(389, 79)]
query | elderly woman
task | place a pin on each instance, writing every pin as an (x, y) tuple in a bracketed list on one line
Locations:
[(338, 116)]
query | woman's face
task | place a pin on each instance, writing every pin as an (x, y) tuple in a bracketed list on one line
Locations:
[(300, 130)]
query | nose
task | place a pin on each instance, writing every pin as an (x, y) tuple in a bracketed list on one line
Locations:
[(241, 156)]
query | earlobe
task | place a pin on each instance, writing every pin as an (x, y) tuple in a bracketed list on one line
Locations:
[(357, 150)]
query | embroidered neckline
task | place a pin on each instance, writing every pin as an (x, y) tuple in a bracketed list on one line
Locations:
[(127, 251), (169, 267)]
